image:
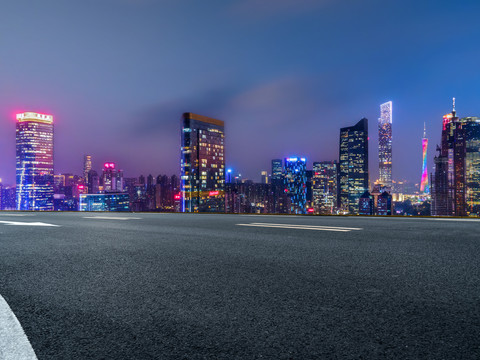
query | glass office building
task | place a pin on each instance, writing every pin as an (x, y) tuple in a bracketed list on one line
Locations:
[(104, 202), (295, 182), (472, 163), (34, 162), (202, 164), (353, 166), (324, 185)]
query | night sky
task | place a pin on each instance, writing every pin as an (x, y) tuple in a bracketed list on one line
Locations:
[(284, 75)]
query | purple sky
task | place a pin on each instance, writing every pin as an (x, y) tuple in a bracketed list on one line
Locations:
[(284, 75)]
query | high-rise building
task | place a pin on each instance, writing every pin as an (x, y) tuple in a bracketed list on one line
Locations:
[(87, 166), (202, 164), (34, 162), (385, 145), (280, 203), (264, 177), (448, 197), (93, 182), (472, 163), (424, 187), (353, 166), (324, 184), (112, 179), (295, 182), (277, 171)]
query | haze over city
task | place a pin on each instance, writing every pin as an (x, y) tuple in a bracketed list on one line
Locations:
[(285, 76)]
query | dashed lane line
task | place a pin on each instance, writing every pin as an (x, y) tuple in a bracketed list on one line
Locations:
[(111, 218), (301, 227), (14, 344), (18, 223), (466, 220)]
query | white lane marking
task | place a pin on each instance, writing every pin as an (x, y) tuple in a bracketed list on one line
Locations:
[(314, 226), (14, 344), (15, 214), (467, 220), (111, 218), (27, 223), (299, 227)]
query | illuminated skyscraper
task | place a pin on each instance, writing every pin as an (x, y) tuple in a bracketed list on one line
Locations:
[(87, 166), (424, 187), (34, 165), (109, 177), (202, 164), (295, 181), (449, 186), (324, 184), (385, 144), (277, 171), (264, 177), (472, 163), (353, 166)]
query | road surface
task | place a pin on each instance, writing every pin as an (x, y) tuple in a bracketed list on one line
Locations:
[(197, 286)]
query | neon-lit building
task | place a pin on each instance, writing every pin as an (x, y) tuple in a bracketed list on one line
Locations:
[(295, 182), (202, 164), (424, 186), (34, 162), (353, 166), (324, 184), (385, 145)]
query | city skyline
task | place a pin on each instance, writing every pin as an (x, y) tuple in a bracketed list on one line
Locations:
[(113, 88)]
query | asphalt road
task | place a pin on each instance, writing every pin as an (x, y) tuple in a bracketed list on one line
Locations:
[(195, 286)]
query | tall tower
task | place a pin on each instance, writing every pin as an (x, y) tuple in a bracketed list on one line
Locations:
[(34, 162), (202, 164), (87, 166), (353, 165), (424, 187), (448, 195), (385, 144)]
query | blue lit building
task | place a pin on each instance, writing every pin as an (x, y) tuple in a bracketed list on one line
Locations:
[(295, 183), (34, 162), (104, 202)]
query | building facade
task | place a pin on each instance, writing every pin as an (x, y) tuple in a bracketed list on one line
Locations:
[(472, 164), (353, 166), (324, 187), (385, 145), (202, 164), (449, 195), (295, 183), (34, 162), (104, 202)]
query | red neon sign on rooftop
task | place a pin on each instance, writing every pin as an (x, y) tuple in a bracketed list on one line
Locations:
[(109, 165)]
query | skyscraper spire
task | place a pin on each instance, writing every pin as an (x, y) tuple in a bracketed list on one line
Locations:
[(453, 111), (424, 130)]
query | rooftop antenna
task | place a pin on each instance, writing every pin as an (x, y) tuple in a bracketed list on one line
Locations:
[(424, 131), (453, 111)]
